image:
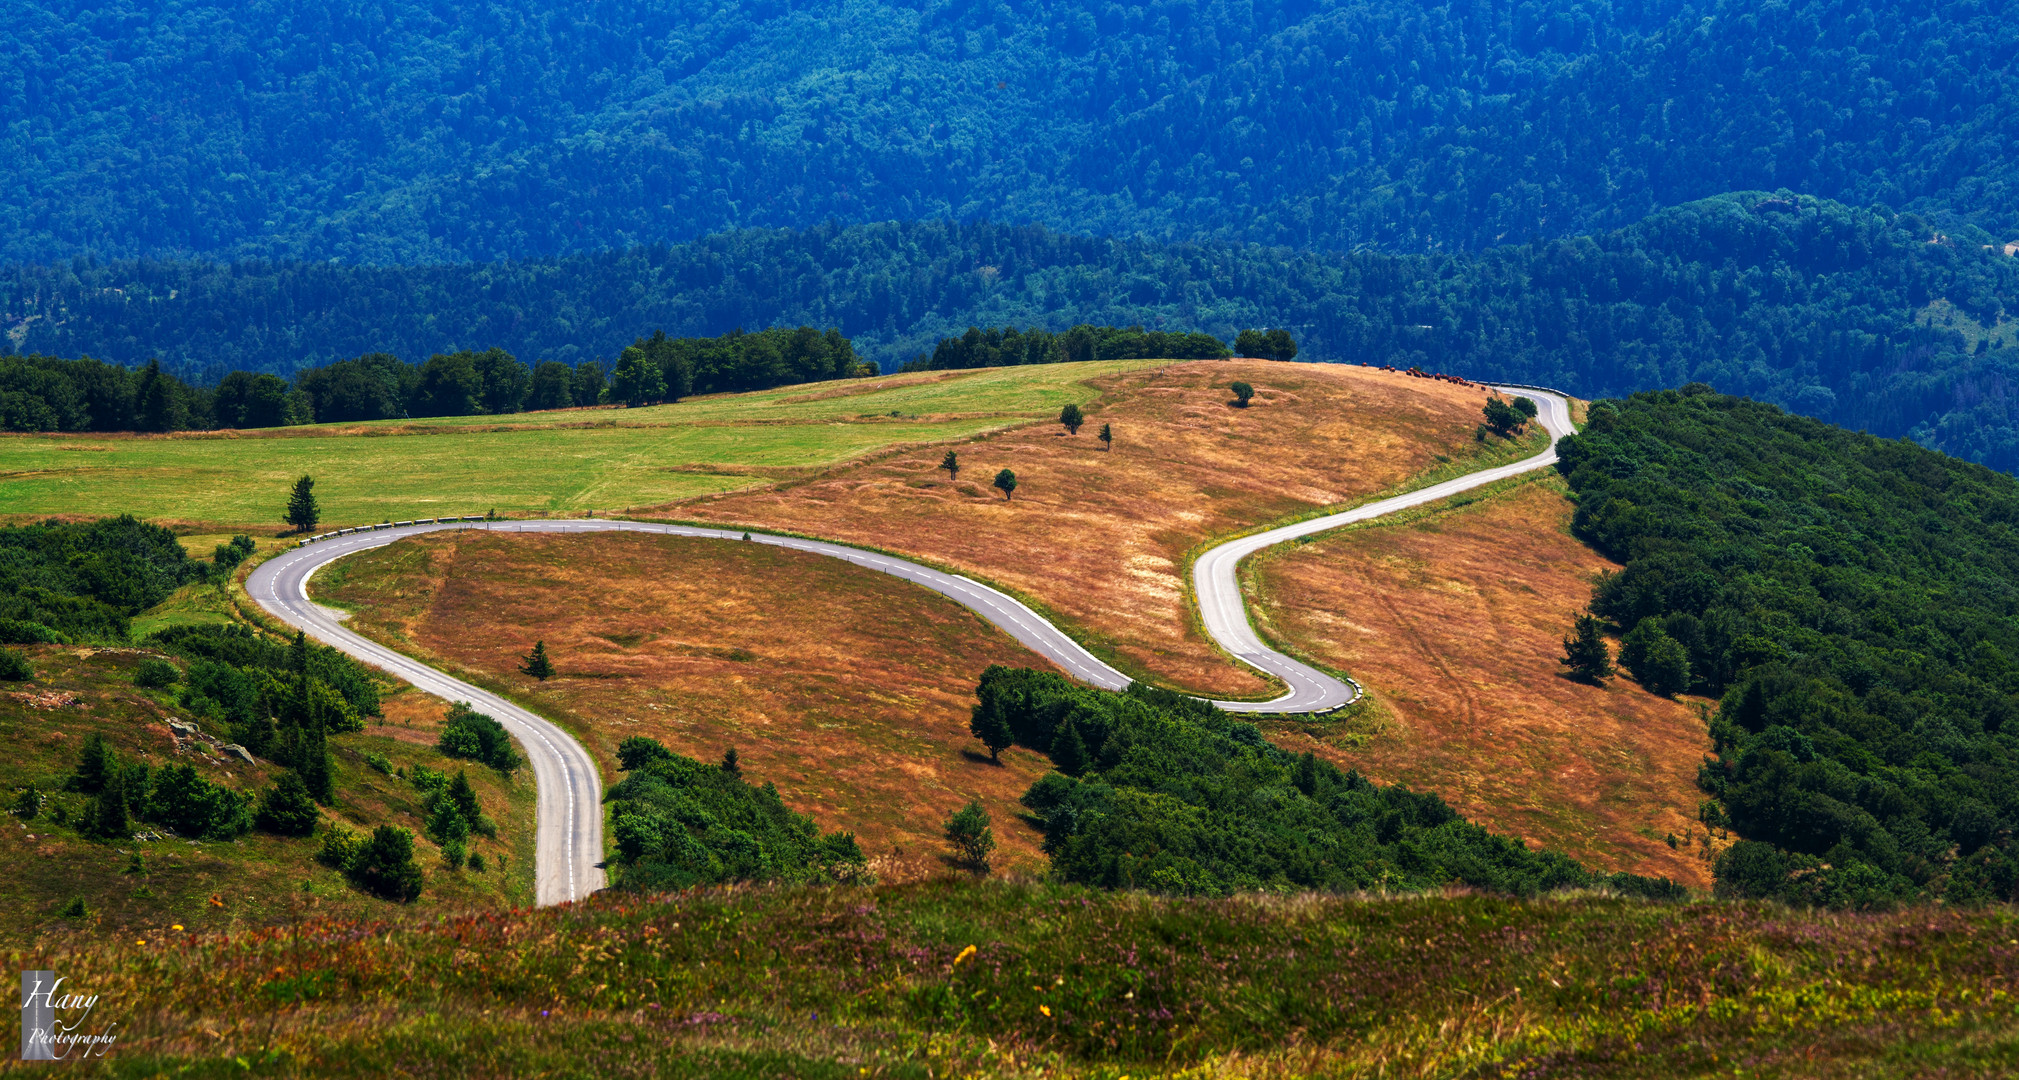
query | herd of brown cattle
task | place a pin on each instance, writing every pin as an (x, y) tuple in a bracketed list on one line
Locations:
[(1419, 373)]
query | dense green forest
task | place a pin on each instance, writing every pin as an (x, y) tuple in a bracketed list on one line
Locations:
[(398, 132), (1851, 600), (1862, 318), (1159, 791)]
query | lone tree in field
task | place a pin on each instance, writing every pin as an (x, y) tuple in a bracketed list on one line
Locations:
[(1072, 418), (302, 512), (972, 839), (1242, 392), (1107, 436), (951, 463), (1006, 482), (537, 665), (1585, 652), (992, 728), (1502, 418)]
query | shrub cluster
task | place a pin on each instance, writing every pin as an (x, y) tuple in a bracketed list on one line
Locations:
[(174, 797), (63, 582), (1158, 791), (677, 822), (473, 735)]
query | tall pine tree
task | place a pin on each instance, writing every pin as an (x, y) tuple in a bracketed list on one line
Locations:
[(1585, 652), (311, 755), (302, 512), (536, 664)]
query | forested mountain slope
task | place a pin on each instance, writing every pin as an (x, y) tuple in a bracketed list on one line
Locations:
[(396, 132), (1865, 319), (1851, 601)]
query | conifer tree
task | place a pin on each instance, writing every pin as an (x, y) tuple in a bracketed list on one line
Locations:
[(1585, 652), (1006, 482), (1072, 418), (311, 757), (1069, 750), (95, 766), (105, 818), (1107, 436), (537, 665), (951, 463), (287, 808), (465, 797), (302, 512), (384, 865), (731, 764)]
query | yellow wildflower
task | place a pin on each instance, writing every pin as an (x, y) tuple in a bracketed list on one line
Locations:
[(1045, 1009), (964, 954)]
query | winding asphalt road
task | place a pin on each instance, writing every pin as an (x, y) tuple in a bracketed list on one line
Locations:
[(569, 838), (1225, 613)]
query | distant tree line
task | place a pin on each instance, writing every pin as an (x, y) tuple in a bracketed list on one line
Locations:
[(1851, 603), (1859, 316), (1007, 347), (46, 393)]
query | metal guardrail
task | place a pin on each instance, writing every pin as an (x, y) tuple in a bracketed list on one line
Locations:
[(1531, 386), (319, 537)]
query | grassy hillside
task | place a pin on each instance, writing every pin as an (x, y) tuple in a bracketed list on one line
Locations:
[(1452, 617), (982, 979), (565, 462), (1101, 539), (849, 690), (256, 880)]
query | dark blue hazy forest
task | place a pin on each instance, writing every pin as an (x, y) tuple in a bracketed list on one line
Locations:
[(1806, 202)]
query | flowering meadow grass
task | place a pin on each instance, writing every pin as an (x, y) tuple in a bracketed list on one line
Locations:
[(955, 978)]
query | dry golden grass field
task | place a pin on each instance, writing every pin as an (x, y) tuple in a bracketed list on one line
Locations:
[(1101, 540), (848, 689), (1452, 619)]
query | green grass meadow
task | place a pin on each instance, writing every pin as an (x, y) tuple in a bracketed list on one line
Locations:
[(564, 462)]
